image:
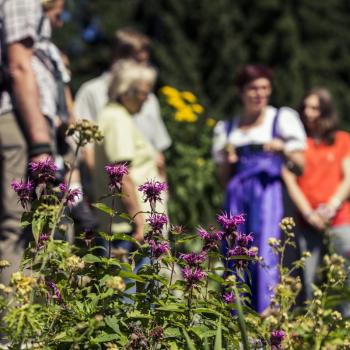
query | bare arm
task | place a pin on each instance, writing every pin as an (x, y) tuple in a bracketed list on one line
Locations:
[(132, 206), (294, 159), (300, 201), (343, 191), (25, 91)]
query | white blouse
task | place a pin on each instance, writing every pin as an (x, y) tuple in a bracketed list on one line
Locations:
[(289, 128)]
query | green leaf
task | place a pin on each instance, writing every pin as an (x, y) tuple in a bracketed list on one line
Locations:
[(172, 332), (137, 314), (200, 331), (130, 275), (104, 208), (204, 310), (218, 337), (215, 277), (90, 258), (124, 237), (37, 227), (172, 308), (190, 344), (126, 216), (105, 337)]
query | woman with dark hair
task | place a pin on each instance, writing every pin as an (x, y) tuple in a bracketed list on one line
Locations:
[(321, 193), (250, 150)]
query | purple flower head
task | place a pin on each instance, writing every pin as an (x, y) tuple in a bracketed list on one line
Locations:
[(158, 249), (211, 237), (244, 240), (239, 251), (116, 173), (276, 338), (44, 237), (71, 194), (43, 171), (157, 221), (54, 291), (230, 222), (193, 275), (24, 190), (229, 297), (194, 259), (152, 191)]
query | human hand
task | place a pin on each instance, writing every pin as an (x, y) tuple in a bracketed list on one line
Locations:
[(230, 154), (326, 212), (315, 220), (275, 145)]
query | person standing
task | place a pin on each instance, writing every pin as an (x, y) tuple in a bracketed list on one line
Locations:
[(123, 143), (250, 151), (321, 193), (24, 131), (93, 95)]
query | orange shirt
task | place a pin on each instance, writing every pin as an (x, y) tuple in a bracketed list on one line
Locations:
[(323, 173)]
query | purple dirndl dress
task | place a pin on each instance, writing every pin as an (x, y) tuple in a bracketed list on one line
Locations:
[(256, 190)]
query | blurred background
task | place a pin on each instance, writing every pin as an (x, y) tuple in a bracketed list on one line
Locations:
[(198, 45)]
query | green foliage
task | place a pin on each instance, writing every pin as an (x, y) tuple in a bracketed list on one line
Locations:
[(69, 298)]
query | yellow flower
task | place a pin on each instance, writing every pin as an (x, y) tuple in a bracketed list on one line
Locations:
[(198, 108), (169, 91), (4, 263), (116, 282), (22, 283), (210, 122), (185, 115), (75, 263), (5, 289), (189, 96), (176, 102)]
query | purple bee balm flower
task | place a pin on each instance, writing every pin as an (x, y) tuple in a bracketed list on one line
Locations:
[(193, 275), (229, 297), (194, 259), (158, 249), (240, 251), (244, 240), (54, 291), (24, 190), (211, 238), (276, 338), (152, 191), (43, 171), (116, 173), (157, 221), (229, 222), (44, 237), (71, 194)]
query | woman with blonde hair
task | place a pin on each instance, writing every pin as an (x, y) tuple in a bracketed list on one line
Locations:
[(130, 85)]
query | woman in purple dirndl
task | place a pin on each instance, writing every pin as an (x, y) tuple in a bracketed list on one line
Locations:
[(257, 144)]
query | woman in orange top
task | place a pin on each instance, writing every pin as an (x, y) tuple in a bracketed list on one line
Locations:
[(321, 192)]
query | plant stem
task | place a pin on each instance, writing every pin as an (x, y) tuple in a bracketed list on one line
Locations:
[(241, 321), (110, 228), (207, 281), (189, 305), (61, 207)]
